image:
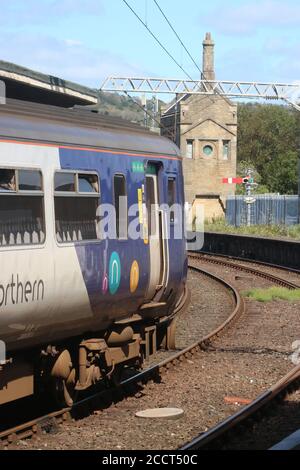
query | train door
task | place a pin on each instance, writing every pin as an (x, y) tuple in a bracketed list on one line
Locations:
[(155, 233)]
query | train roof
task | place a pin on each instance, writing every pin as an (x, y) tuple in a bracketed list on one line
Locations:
[(78, 126)]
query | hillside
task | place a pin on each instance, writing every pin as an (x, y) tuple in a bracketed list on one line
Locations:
[(113, 104)]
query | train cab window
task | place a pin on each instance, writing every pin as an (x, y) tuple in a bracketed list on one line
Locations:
[(76, 201), (172, 197), (120, 196), (22, 220)]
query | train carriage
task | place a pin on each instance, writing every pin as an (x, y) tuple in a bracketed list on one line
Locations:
[(80, 296)]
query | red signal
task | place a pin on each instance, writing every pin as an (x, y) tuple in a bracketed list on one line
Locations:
[(245, 180), (232, 180)]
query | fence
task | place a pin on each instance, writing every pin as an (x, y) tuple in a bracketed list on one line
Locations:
[(267, 210)]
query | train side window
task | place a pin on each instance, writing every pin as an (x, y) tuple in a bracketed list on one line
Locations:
[(7, 180), (29, 180), (64, 182), (22, 220), (88, 184), (120, 196), (76, 201), (172, 197)]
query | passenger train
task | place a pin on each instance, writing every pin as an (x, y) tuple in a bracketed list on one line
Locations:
[(76, 304)]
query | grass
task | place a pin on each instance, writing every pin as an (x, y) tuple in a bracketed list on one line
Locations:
[(273, 293), (277, 231)]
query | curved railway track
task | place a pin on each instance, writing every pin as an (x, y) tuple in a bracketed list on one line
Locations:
[(229, 263), (130, 386), (216, 436), (220, 435), (248, 260)]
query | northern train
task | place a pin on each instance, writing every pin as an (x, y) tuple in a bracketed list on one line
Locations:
[(77, 306)]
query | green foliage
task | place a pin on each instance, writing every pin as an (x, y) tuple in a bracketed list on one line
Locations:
[(242, 168), (118, 105), (115, 105), (277, 231), (283, 173), (273, 293), (268, 139)]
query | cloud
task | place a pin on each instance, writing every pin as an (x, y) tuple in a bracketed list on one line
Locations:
[(287, 66), (29, 12), (73, 42), (275, 60), (68, 59), (249, 17), (277, 45), (244, 65)]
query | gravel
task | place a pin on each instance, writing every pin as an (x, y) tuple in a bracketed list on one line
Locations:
[(252, 355)]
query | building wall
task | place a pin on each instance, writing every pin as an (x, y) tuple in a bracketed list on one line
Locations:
[(208, 123)]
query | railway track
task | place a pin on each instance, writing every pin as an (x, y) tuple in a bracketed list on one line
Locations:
[(130, 386), (278, 267), (216, 437), (221, 435), (229, 263)]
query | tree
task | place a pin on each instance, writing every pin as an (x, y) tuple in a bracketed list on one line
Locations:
[(268, 139), (283, 173), (242, 170)]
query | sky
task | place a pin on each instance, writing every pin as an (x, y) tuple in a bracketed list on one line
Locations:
[(87, 40)]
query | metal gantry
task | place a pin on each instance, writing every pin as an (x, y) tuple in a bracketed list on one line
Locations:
[(289, 93)]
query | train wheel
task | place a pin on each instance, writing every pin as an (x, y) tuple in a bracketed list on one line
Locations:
[(171, 335), (64, 390), (116, 377), (166, 337)]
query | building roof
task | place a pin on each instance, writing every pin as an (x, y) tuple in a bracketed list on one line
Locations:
[(29, 85), (171, 107)]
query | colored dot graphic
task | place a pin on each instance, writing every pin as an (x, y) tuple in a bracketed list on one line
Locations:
[(114, 273), (134, 277)]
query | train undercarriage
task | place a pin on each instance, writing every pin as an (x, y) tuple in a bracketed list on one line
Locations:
[(62, 371)]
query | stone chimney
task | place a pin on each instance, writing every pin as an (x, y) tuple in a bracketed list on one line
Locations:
[(208, 67)]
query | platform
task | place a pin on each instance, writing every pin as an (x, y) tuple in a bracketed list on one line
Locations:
[(29, 85)]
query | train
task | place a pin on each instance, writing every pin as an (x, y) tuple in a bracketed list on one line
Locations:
[(78, 304)]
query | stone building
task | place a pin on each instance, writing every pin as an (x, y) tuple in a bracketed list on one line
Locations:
[(205, 128)]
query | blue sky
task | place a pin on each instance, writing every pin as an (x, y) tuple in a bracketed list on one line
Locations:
[(86, 40)]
